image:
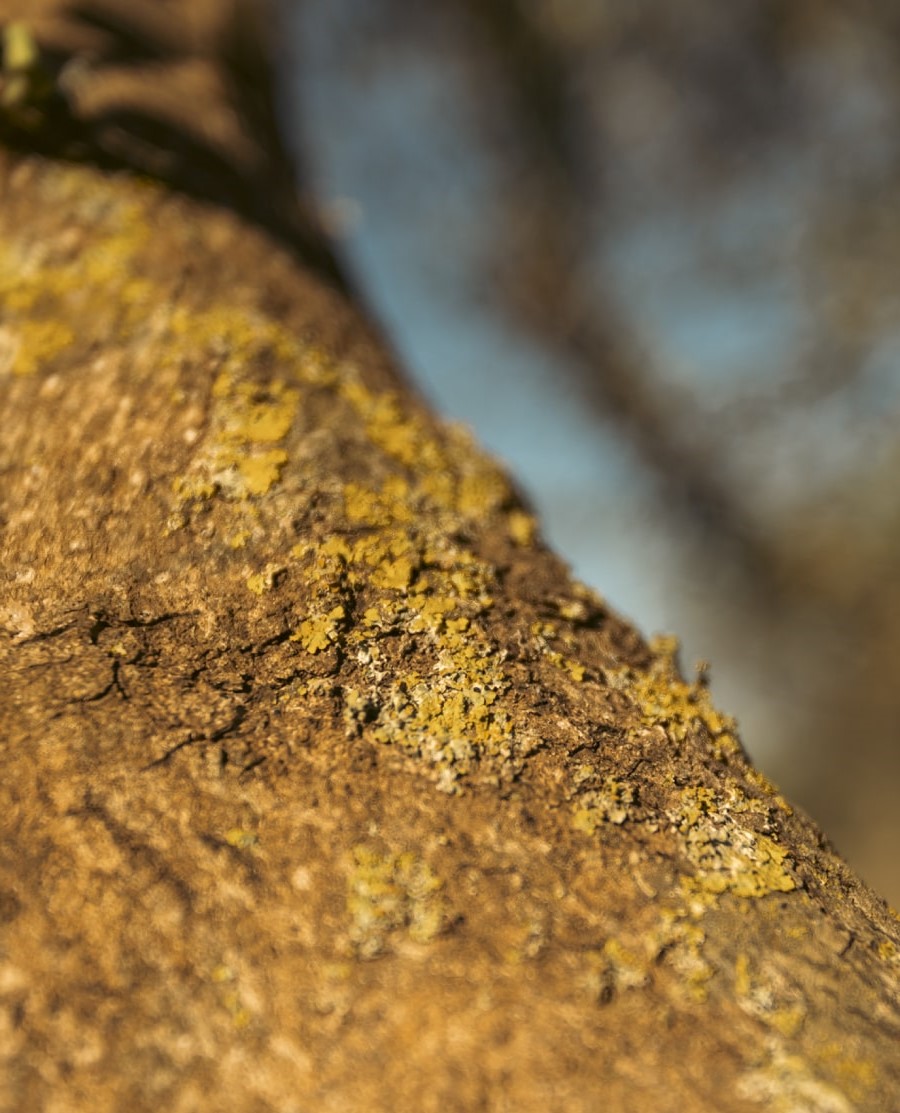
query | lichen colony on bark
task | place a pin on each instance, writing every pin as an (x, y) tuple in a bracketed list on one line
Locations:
[(324, 786)]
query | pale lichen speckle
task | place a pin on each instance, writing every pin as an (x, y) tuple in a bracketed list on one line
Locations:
[(445, 702), (727, 856), (612, 802), (389, 892), (249, 419), (261, 582), (786, 1083), (665, 699)]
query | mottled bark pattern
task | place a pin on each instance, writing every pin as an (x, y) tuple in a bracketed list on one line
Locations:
[(323, 786)]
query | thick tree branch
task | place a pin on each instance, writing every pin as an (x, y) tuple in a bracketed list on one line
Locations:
[(323, 785)]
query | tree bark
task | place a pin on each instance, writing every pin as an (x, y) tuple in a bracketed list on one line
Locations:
[(323, 785)]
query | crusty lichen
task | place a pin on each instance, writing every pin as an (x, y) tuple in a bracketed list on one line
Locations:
[(242, 454), (388, 892), (443, 701), (319, 631), (33, 345), (666, 700), (395, 563), (225, 978), (241, 838), (611, 802), (57, 297), (786, 1083), (615, 968), (728, 856), (779, 1005), (265, 580), (545, 633)]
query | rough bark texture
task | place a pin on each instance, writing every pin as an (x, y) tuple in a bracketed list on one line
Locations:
[(323, 786)]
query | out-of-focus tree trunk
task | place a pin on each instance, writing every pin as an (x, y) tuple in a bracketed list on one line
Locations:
[(322, 785)]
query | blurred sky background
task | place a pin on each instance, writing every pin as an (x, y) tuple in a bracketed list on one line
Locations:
[(653, 259)]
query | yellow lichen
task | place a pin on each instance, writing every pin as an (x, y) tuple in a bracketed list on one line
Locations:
[(521, 527), (785, 1083), (611, 803), (391, 892), (887, 950), (615, 968), (451, 716), (319, 632), (25, 84), (407, 579), (574, 668), (858, 1076), (682, 941), (629, 969), (241, 838), (728, 857), (783, 1011), (261, 472), (226, 978), (261, 582), (542, 633), (397, 560), (37, 342), (237, 457), (665, 699), (447, 473), (78, 290)]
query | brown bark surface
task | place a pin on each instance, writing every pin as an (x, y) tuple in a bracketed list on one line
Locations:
[(323, 786)]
